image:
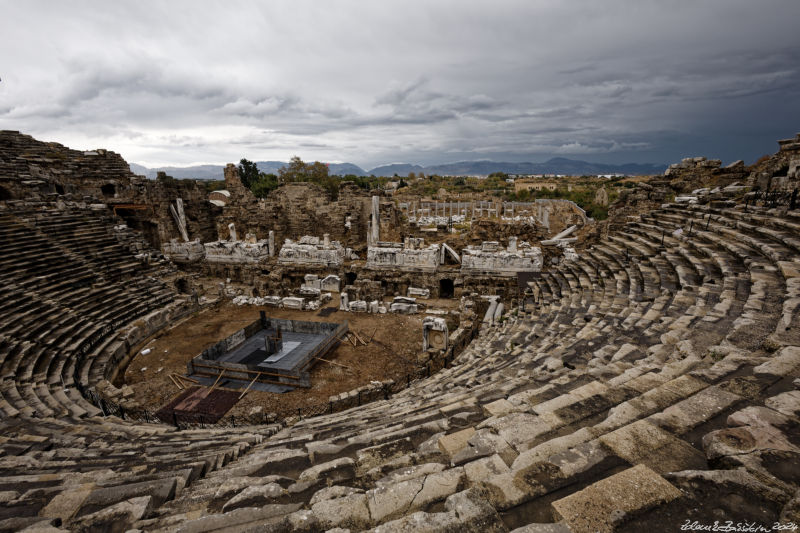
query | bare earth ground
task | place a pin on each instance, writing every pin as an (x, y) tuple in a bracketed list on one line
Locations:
[(391, 355)]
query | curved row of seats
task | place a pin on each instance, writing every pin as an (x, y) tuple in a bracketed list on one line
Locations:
[(69, 287), (637, 357), (612, 404)]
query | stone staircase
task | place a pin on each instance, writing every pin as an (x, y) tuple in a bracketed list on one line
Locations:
[(656, 381)]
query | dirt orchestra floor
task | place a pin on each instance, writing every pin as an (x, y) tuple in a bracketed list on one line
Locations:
[(390, 355)]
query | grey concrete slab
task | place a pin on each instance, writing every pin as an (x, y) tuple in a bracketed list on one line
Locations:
[(253, 352)]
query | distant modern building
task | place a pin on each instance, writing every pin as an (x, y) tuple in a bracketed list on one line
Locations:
[(535, 185)]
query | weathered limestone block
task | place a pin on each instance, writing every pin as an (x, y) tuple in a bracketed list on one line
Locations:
[(254, 496), (438, 486), (403, 305), (434, 333), (392, 501), (597, 507), (484, 468), (309, 251), (358, 306), (732, 491), (644, 443), (66, 503), (466, 512), (408, 256), (331, 283), (489, 258), (347, 511), (236, 252), (485, 443), (309, 292), (410, 472), (521, 429), (418, 293), (381, 454), (782, 364), (455, 442), (499, 407), (312, 281), (333, 471), (753, 429), (691, 412), (787, 403), (183, 252), (119, 516), (290, 302), (265, 516)]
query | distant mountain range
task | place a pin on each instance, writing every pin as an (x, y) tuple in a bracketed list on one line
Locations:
[(556, 165)]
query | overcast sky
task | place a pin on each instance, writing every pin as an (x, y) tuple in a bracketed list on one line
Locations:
[(373, 82)]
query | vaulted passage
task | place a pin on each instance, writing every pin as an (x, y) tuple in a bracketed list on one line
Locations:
[(445, 288)]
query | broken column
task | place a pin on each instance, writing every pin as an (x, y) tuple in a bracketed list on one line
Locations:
[(375, 223), (271, 243), (562, 237), (232, 231), (180, 218), (546, 217), (488, 318)]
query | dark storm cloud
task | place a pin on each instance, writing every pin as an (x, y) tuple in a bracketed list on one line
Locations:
[(372, 82)]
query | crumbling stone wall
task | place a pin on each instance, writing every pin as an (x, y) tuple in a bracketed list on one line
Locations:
[(35, 170), (697, 172), (297, 209), (498, 230), (646, 196), (781, 171), (156, 222)]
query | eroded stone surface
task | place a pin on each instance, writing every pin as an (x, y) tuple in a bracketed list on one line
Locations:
[(596, 507)]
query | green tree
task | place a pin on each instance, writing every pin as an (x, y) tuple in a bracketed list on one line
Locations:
[(316, 172), (501, 175), (295, 171), (264, 185), (248, 172)]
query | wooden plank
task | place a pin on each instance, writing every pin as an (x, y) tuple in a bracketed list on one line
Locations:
[(175, 382), (243, 371), (350, 338), (187, 378), (335, 363), (248, 387), (359, 338), (218, 378), (260, 380)]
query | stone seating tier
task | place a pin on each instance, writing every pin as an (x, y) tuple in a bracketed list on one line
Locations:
[(615, 403)]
